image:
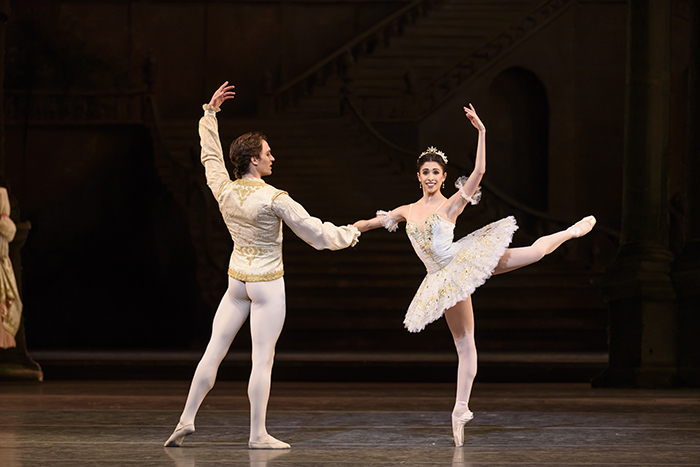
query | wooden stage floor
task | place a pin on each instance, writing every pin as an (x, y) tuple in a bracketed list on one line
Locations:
[(124, 423)]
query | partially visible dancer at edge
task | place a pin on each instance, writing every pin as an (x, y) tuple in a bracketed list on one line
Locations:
[(456, 269), (253, 212)]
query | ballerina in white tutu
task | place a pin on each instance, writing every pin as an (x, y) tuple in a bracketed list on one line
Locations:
[(456, 269)]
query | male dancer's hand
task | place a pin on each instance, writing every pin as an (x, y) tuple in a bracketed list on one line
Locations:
[(222, 94)]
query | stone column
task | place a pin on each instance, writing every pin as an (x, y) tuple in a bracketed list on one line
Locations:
[(637, 286), (15, 364), (4, 16), (686, 268)]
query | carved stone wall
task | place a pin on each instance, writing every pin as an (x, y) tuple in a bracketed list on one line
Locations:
[(195, 45)]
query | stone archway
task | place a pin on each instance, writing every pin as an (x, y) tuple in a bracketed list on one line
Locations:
[(518, 143)]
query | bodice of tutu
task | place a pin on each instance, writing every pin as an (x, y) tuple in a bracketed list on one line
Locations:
[(433, 244)]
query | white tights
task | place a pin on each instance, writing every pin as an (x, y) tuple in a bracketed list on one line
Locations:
[(265, 301), (460, 318)]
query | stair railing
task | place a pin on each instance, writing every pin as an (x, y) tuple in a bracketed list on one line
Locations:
[(343, 59), (468, 68), (40, 107)]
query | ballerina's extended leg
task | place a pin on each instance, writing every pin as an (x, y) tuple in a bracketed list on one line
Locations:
[(515, 258)]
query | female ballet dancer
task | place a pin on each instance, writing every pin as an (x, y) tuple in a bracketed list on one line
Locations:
[(253, 212), (455, 270)]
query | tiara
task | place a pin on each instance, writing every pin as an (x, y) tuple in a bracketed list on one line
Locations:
[(434, 150)]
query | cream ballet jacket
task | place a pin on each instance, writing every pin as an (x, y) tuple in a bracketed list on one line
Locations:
[(253, 212)]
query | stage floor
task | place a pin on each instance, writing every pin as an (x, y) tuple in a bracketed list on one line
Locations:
[(124, 423)]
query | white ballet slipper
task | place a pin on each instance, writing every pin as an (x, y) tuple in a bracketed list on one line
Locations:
[(269, 443), (179, 434), (582, 227)]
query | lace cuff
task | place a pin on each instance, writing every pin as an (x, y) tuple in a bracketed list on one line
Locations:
[(475, 198), (356, 235), (210, 110), (387, 222)]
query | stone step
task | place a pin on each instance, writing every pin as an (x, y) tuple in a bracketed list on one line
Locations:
[(404, 364), (514, 323), (361, 298), (436, 338), (344, 275)]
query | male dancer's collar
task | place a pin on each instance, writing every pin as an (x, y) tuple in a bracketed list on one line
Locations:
[(250, 181)]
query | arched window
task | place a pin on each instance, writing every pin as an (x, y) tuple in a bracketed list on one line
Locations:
[(518, 137)]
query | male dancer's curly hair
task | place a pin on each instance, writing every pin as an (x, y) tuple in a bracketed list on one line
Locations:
[(242, 149)]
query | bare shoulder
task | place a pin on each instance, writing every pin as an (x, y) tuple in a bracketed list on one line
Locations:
[(400, 213)]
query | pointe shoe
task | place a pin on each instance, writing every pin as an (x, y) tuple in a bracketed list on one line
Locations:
[(458, 426), (269, 443), (178, 435), (582, 227)]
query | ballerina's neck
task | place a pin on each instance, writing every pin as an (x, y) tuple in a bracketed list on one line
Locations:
[(431, 203)]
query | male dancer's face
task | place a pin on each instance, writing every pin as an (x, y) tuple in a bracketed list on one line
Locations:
[(265, 160), (431, 177)]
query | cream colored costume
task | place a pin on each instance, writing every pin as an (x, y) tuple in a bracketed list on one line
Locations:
[(455, 269), (253, 212), (10, 303)]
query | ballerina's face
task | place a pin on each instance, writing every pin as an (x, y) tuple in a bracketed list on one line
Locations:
[(431, 177)]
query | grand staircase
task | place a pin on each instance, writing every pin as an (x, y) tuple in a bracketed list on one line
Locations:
[(411, 62), (352, 302)]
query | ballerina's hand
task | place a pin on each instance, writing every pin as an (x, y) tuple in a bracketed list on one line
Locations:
[(474, 118), (222, 94)]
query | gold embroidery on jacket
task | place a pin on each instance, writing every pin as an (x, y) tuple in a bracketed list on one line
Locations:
[(268, 276), (251, 252), (244, 192), (245, 187)]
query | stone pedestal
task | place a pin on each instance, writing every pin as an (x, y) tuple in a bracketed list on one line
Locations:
[(642, 320), (686, 268), (15, 364), (643, 333), (686, 278)]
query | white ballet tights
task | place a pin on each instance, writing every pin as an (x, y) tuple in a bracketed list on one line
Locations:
[(466, 369), (460, 320), (515, 258), (265, 301)]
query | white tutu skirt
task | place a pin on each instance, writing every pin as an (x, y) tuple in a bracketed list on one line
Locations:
[(476, 257)]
